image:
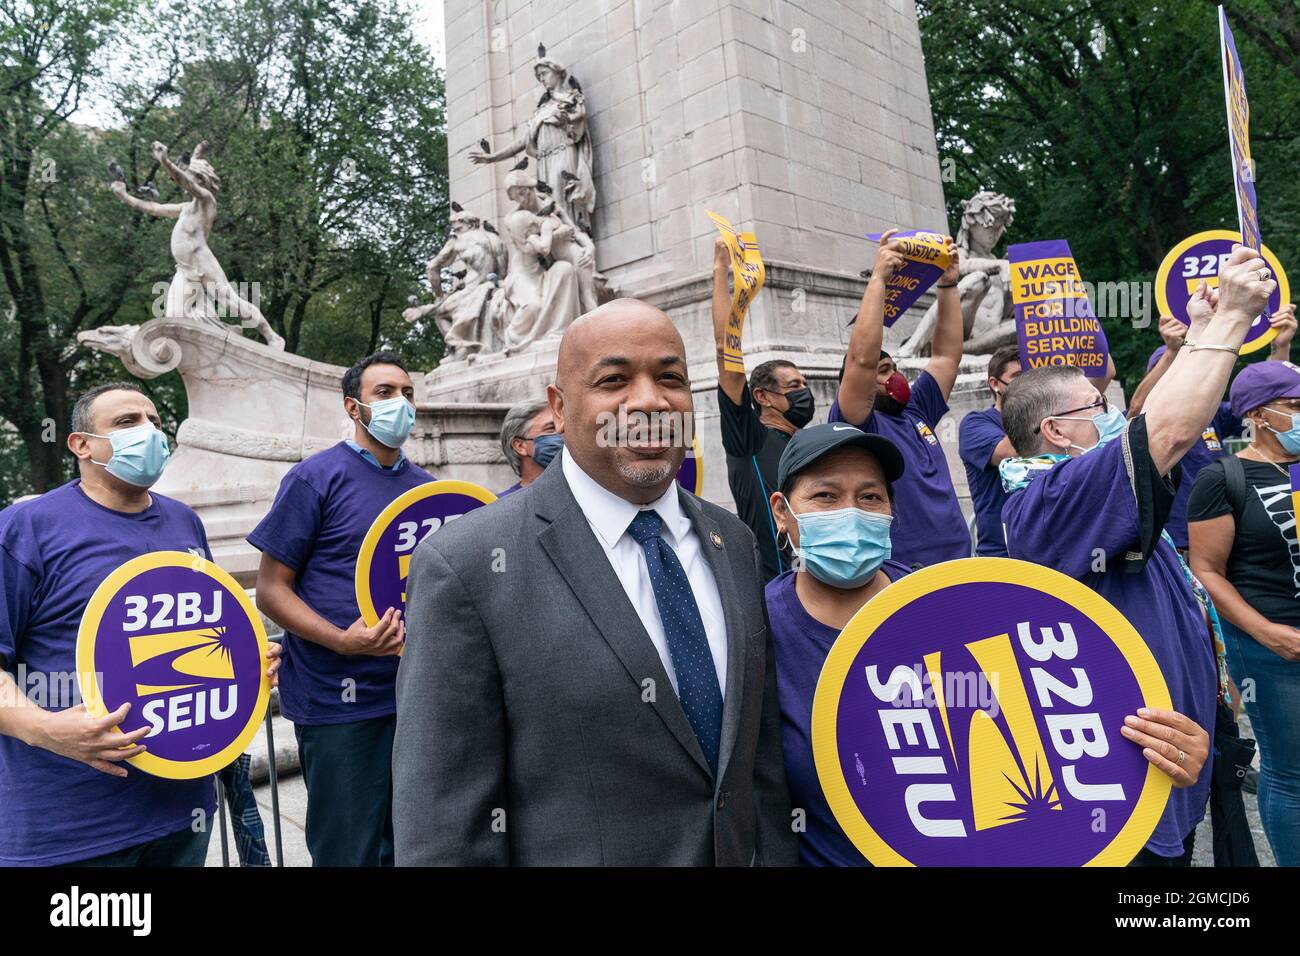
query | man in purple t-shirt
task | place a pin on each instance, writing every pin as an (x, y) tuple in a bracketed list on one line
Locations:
[(1090, 498), (65, 794), (873, 395), (339, 674)]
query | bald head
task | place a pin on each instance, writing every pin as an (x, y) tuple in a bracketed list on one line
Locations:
[(622, 397), (604, 329)]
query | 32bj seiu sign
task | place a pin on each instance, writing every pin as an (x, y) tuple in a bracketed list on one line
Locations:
[(970, 715)]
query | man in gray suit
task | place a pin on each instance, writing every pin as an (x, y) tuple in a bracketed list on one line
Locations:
[(588, 677)]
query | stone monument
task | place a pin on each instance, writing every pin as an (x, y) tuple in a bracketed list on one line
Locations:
[(807, 123), (200, 290)]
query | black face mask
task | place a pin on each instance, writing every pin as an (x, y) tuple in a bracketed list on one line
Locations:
[(888, 405), (801, 408)]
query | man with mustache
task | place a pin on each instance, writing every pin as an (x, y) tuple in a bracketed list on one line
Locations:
[(588, 677)]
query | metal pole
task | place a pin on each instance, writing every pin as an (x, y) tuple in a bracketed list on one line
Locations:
[(274, 775), (221, 820), (275, 789)]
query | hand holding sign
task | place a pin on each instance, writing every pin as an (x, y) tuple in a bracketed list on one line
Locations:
[(912, 261), (1245, 284), (888, 259), (384, 638), (1283, 324), (1170, 741), (95, 741), (748, 275)]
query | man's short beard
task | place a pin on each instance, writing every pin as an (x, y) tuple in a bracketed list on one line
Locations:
[(641, 477)]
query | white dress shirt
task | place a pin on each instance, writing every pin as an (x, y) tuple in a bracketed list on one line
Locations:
[(609, 517)]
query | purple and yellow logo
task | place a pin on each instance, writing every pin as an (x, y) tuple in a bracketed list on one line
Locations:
[(384, 561), (1201, 256), (176, 637), (969, 715), (691, 475)]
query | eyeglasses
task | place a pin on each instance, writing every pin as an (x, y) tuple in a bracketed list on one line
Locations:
[(1099, 403)]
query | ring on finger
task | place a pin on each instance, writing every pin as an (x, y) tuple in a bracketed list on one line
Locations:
[(1263, 274), (1182, 755)]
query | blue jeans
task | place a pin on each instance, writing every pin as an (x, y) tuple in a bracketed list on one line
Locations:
[(1270, 687)]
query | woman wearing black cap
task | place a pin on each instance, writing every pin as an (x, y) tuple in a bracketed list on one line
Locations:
[(1242, 530), (834, 508)]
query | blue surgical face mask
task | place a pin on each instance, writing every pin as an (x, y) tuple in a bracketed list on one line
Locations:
[(139, 454), (391, 420), (845, 547), (545, 448), (1289, 439), (1109, 424)]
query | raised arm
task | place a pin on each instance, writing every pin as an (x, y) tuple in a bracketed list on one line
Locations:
[(949, 331), (478, 157), (161, 210), (857, 391), (1186, 399), (1174, 333), (1284, 321), (732, 383), (181, 177)]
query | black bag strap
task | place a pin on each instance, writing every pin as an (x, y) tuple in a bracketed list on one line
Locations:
[(1234, 475)]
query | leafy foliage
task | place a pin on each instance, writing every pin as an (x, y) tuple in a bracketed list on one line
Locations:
[(326, 124), (1105, 121)]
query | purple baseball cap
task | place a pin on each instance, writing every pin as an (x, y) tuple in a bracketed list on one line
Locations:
[(1263, 382), (1155, 357)]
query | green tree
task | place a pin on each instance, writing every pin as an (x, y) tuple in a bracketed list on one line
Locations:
[(1105, 121), (326, 124)]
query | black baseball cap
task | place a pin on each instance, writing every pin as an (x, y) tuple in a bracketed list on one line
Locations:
[(810, 443)]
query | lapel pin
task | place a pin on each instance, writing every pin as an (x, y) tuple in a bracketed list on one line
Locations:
[(716, 539)]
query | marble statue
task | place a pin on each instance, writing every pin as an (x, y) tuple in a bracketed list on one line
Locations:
[(542, 291), (985, 284), (200, 290), (471, 315), (556, 138)]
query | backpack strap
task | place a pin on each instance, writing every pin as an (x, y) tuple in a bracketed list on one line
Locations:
[(1234, 474)]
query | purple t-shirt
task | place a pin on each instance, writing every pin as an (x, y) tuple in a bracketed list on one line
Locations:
[(320, 516), (511, 490), (978, 435), (801, 643), (1210, 448), (928, 524), (54, 552), (1106, 509)]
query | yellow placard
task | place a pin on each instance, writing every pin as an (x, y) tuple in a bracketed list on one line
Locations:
[(748, 275)]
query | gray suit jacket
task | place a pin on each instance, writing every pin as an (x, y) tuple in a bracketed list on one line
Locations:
[(536, 724)]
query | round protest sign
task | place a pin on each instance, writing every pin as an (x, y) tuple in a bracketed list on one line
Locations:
[(385, 557), (691, 475), (1200, 257), (176, 637), (970, 714)]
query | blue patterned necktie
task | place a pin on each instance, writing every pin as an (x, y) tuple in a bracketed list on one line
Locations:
[(697, 676)]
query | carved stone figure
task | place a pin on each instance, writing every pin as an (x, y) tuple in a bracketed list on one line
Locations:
[(985, 284), (556, 138), (541, 291), (471, 315), (200, 290)]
